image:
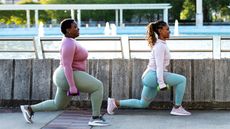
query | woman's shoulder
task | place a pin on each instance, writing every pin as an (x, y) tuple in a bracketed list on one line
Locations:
[(160, 44), (68, 40), (160, 41)]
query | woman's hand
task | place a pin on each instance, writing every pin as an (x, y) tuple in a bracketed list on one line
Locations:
[(73, 91), (163, 87)]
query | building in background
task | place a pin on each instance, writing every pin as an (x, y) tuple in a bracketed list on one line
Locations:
[(9, 1), (13, 1)]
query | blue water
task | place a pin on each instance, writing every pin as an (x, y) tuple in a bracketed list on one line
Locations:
[(135, 30)]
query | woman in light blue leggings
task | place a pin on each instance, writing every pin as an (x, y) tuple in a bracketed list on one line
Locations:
[(156, 75), (149, 91)]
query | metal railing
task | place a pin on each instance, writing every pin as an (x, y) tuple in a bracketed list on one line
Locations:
[(98, 45), (181, 47), (11, 47), (188, 47)]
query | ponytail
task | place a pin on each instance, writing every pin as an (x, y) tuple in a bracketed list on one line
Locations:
[(153, 33)]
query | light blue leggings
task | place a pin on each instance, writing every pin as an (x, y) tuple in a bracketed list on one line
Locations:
[(149, 91)]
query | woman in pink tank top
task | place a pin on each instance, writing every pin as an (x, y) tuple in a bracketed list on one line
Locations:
[(71, 79)]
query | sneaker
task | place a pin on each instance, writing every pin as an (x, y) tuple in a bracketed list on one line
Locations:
[(27, 113), (111, 105), (179, 111), (99, 121)]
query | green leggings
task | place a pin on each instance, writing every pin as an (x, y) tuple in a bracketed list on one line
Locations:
[(85, 83)]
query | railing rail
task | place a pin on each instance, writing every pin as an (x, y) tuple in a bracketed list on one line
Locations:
[(16, 45), (125, 47)]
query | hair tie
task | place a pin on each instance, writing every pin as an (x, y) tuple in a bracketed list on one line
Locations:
[(155, 35)]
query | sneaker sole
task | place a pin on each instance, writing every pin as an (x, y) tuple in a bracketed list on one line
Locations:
[(91, 124), (24, 115), (179, 114), (110, 113)]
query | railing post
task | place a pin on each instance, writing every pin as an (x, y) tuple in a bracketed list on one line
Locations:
[(165, 15), (216, 43), (125, 47), (121, 17), (36, 18), (38, 48), (79, 18), (28, 18), (72, 14)]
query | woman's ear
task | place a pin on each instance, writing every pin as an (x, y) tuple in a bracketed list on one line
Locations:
[(159, 30), (67, 31)]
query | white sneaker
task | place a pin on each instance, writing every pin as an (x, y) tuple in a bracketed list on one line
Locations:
[(111, 105), (100, 121), (180, 111), (27, 113)]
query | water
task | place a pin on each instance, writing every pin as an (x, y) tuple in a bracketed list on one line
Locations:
[(41, 30), (176, 29), (107, 29), (128, 30)]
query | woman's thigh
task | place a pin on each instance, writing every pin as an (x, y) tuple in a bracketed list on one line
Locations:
[(83, 81), (173, 79), (86, 82)]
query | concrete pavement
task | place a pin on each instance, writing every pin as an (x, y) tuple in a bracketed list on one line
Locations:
[(14, 119), (129, 119), (161, 119)]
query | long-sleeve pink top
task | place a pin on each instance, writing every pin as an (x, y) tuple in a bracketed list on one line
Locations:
[(159, 60), (72, 57)]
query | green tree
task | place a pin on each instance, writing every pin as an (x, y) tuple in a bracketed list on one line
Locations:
[(215, 10), (17, 17), (189, 10)]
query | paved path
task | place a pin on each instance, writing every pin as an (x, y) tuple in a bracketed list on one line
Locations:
[(123, 119), (161, 119)]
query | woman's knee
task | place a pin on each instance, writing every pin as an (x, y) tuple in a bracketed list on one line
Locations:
[(100, 83), (183, 79), (99, 86), (61, 106), (144, 104)]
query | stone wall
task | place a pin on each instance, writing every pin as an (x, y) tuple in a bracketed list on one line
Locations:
[(30, 80)]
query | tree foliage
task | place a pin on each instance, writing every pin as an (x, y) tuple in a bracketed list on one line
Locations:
[(216, 10), (213, 10), (188, 11)]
